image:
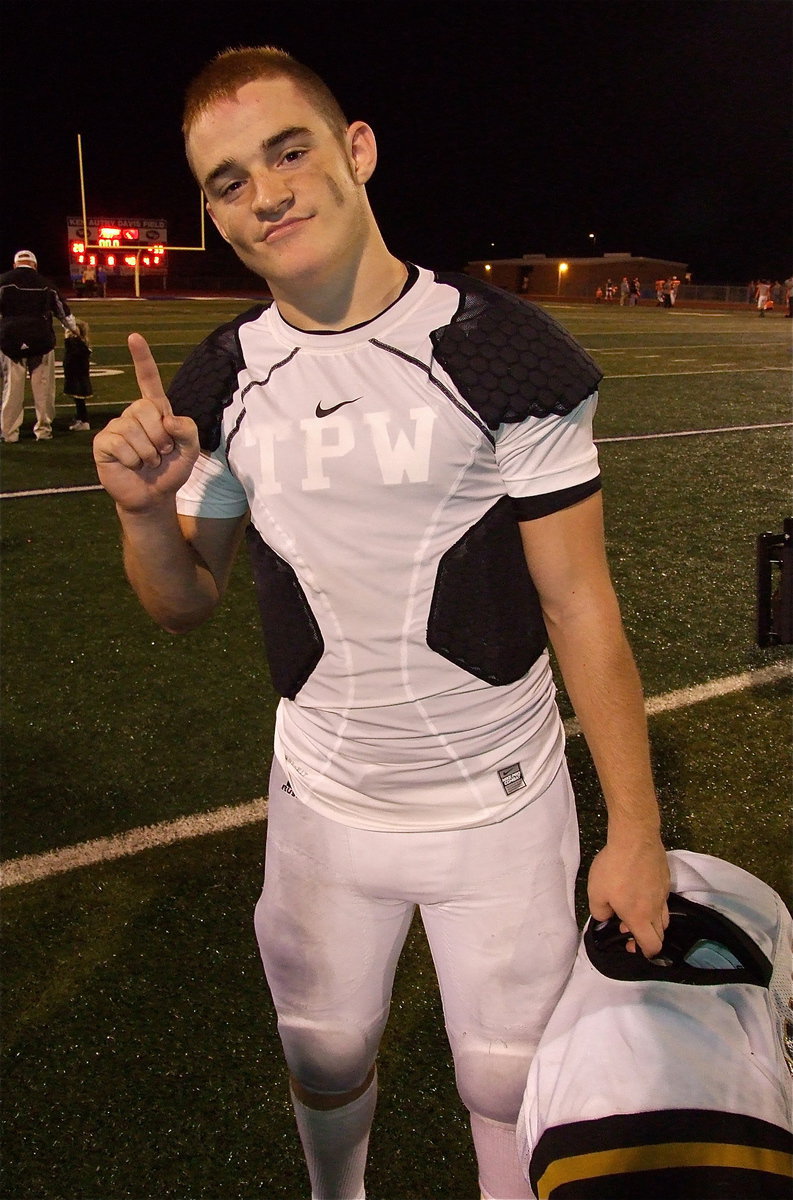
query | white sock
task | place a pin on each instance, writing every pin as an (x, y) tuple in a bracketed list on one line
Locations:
[(335, 1142), (500, 1174)]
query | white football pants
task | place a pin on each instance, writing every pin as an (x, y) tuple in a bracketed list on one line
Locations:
[(497, 907)]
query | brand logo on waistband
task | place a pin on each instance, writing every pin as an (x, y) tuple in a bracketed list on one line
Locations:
[(512, 778), (319, 411)]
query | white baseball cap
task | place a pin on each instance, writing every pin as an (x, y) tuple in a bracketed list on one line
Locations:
[(25, 258)]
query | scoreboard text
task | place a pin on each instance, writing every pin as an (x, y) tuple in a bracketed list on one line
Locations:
[(117, 245)]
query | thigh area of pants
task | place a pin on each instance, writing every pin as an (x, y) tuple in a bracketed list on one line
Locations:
[(504, 940), (496, 902)]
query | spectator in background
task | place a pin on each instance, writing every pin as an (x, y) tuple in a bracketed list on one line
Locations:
[(659, 291), (634, 291), (77, 374), (625, 290), (28, 302), (763, 296), (751, 291), (89, 279), (789, 295), (673, 289)]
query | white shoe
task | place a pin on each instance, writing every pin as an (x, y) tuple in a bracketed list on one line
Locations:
[(79, 426), (44, 436)]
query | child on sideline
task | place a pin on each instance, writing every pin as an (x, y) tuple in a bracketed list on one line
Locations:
[(76, 374)]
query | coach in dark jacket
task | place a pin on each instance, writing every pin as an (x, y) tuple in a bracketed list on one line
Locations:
[(28, 302)]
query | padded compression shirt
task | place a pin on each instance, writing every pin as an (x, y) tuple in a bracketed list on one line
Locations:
[(385, 468)]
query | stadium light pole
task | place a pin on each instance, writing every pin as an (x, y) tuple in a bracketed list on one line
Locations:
[(563, 269)]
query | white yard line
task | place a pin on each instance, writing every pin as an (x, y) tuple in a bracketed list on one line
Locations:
[(705, 371), (645, 437), (57, 491), (631, 437), (32, 867)]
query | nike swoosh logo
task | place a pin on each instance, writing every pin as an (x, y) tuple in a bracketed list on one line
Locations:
[(319, 411)]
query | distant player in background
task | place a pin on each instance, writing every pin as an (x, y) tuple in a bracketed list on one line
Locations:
[(28, 303), (763, 296), (77, 374), (410, 457)]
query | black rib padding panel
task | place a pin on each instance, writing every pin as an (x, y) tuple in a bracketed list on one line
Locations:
[(292, 636), (508, 358), (204, 384), (485, 613)]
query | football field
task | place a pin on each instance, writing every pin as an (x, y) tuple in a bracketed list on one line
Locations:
[(141, 1059)]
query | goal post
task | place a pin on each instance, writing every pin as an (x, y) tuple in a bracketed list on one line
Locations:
[(140, 249)]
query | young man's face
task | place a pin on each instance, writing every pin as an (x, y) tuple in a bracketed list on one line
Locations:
[(281, 187)]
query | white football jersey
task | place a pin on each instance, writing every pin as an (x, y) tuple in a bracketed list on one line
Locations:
[(668, 1077), (384, 468)]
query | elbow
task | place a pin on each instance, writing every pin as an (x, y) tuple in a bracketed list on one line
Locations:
[(182, 620), (177, 627)]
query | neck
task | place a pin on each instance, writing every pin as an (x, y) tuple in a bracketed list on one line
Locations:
[(347, 295)]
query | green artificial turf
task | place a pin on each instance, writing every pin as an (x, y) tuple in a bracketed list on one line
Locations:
[(141, 1059)]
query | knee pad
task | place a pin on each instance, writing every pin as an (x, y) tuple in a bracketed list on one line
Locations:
[(491, 1077), (327, 1056)]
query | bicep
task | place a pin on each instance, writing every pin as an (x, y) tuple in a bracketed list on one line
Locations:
[(215, 540), (566, 557)]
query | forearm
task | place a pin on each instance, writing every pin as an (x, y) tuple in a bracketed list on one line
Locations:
[(603, 683), (170, 578)]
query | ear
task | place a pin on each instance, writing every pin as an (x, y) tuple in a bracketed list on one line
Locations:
[(216, 222), (362, 149)]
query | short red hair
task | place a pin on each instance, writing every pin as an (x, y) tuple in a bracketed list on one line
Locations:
[(228, 71)]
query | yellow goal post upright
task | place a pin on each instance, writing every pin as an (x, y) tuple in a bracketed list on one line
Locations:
[(140, 249)]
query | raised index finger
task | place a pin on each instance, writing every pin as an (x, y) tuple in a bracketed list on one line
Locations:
[(147, 372)]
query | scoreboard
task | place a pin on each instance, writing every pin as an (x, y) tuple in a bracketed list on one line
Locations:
[(117, 246)]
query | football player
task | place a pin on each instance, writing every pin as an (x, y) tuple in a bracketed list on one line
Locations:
[(410, 457)]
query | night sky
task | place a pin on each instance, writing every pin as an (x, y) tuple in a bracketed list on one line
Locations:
[(662, 126)]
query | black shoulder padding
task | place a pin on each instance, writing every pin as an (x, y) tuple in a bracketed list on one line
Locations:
[(204, 384), (509, 359)]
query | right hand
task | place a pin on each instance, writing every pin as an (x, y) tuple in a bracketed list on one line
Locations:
[(144, 456)]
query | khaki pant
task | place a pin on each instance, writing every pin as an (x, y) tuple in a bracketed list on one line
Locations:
[(42, 382)]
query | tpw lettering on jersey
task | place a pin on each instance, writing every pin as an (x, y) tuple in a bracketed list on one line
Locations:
[(402, 458), (267, 436), (332, 439)]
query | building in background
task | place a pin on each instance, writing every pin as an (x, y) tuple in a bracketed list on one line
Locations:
[(575, 278)]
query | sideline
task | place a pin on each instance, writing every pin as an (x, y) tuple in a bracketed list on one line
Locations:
[(32, 867)]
